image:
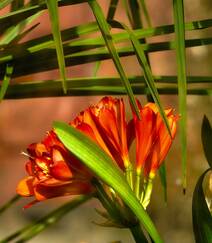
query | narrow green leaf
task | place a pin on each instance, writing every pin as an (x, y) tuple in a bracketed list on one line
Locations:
[(101, 86), (202, 218), (36, 62), (145, 12), (53, 217), (110, 16), (6, 81), (4, 3), (97, 11), (206, 134), (181, 70), (147, 74), (103, 166), (8, 204), (53, 13), (162, 173), (14, 32), (112, 9)]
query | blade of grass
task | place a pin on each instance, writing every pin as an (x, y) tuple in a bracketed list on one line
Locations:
[(54, 18), (181, 70), (53, 217), (87, 151), (6, 81), (104, 28)]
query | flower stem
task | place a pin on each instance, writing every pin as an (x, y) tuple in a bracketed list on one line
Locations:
[(138, 234), (147, 194), (129, 175), (137, 185), (9, 203)]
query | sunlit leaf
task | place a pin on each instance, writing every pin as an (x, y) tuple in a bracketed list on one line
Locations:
[(103, 166), (181, 70), (54, 17), (202, 218), (6, 81), (206, 133), (103, 25)]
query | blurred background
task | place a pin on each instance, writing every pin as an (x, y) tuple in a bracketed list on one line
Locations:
[(25, 121)]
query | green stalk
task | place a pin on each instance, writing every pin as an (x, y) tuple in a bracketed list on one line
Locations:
[(9, 203), (137, 185), (148, 192), (138, 234)]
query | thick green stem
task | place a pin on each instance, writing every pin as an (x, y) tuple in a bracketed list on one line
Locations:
[(138, 234)]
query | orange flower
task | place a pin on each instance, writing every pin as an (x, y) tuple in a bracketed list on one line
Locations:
[(152, 138), (106, 124), (53, 171)]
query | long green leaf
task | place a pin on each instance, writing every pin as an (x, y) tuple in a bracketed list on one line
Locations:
[(5, 82), (202, 218), (103, 25), (145, 12), (181, 70), (206, 134), (53, 217), (53, 12), (101, 86), (162, 173), (103, 166), (147, 74), (36, 62)]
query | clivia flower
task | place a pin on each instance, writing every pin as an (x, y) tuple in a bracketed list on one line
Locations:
[(54, 171)]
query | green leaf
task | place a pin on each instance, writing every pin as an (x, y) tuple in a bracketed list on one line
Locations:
[(53, 13), (202, 219), (162, 173), (182, 87), (112, 9), (103, 25), (53, 217), (145, 12), (206, 134), (5, 82), (142, 59), (101, 86), (103, 167), (4, 3)]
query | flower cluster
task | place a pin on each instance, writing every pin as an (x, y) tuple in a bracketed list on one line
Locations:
[(54, 171)]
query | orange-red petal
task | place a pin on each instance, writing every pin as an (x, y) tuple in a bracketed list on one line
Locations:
[(25, 187)]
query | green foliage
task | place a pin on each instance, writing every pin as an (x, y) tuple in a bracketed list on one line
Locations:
[(103, 167), (207, 139), (202, 219)]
